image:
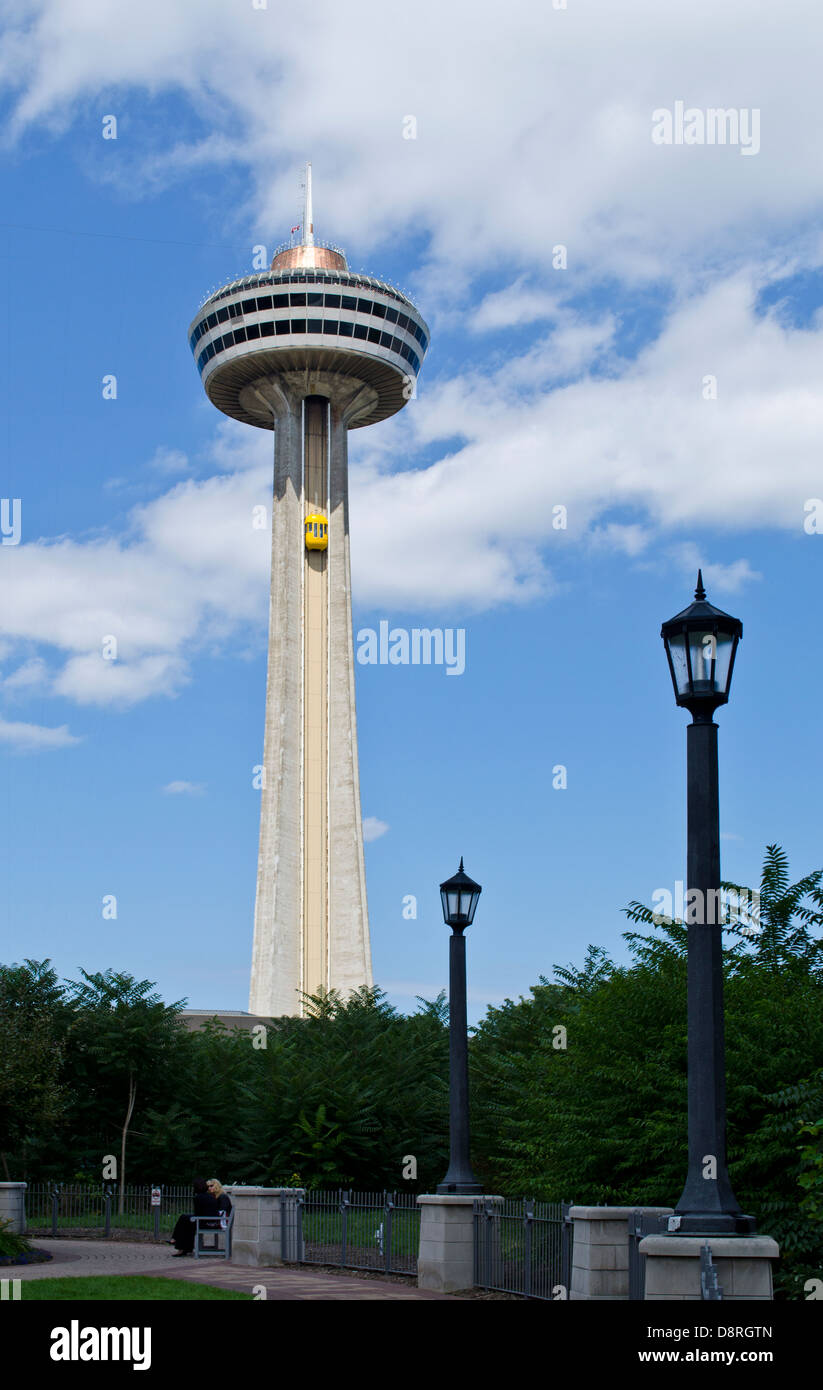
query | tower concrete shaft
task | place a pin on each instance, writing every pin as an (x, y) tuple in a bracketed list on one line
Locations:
[(311, 867)]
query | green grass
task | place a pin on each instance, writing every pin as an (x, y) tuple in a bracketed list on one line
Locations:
[(92, 1219), (125, 1287), (326, 1228)]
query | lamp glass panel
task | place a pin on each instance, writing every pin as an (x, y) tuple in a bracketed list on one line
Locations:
[(725, 651), (453, 897), (703, 650), (470, 900), (677, 651)]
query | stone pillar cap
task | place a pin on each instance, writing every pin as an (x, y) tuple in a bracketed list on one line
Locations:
[(722, 1247), (455, 1199), (240, 1190), (615, 1213)]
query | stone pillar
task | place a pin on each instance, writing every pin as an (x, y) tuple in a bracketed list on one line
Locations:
[(13, 1205), (600, 1251), (446, 1256), (260, 1214), (743, 1264)]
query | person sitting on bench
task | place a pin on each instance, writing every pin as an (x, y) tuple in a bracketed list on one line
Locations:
[(222, 1197), (204, 1205)]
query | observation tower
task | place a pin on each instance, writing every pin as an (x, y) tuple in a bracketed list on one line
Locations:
[(310, 351)]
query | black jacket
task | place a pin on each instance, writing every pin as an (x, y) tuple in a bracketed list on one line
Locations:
[(205, 1204)]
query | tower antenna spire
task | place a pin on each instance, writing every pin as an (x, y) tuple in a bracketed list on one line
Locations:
[(308, 214)]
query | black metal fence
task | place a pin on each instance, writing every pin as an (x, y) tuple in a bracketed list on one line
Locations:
[(641, 1223), (56, 1208), (710, 1290), (379, 1231), (523, 1247), (520, 1246)]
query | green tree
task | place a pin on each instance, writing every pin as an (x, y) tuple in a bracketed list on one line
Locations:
[(345, 1093), (33, 1099), (603, 1119), (126, 1032)]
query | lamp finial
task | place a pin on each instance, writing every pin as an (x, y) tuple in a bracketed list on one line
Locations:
[(700, 592)]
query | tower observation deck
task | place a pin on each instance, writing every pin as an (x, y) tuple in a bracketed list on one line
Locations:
[(309, 350)]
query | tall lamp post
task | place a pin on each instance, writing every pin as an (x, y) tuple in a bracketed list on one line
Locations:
[(459, 896), (701, 644)]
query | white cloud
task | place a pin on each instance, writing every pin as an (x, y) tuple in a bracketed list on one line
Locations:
[(167, 460), (627, 539), (184, 788), (34, 738), (91, 680), (32, 674), (373, 828), (729, 578), (189, 571), (475, 527), (513, 306), (533, 124)]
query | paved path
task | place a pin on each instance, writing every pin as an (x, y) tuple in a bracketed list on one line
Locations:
[(88, 1257), (80, 1257)]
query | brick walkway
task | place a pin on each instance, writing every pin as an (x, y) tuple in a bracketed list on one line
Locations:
[(87, 1257)]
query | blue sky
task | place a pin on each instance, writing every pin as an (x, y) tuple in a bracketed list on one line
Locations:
[(582, 387)]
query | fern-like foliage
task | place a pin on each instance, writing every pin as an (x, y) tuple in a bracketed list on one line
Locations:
[(597, 967), (774, 925)]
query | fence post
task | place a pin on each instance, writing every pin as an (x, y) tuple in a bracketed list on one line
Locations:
[(107, 1210), (489, 1215), (291, 1225), (344, 1212), (387, 1211), (55, 1202), (566, 1237), (156, 1211), (528, 1217)]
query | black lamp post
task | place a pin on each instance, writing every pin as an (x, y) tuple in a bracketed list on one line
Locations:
[(459, 896), (701, 644)]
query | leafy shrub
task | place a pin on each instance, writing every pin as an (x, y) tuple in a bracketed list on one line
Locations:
[(11, 1243)]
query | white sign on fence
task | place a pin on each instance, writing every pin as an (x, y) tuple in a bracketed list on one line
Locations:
[(155, 1196)]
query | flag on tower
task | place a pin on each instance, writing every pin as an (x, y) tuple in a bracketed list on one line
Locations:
[(295, 229)]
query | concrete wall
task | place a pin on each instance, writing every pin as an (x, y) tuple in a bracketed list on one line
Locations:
[(259, 1213), (445, 1260), (13, 1205), (600, 1253)]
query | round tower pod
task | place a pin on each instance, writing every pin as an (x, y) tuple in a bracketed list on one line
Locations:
[(310, 315)]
